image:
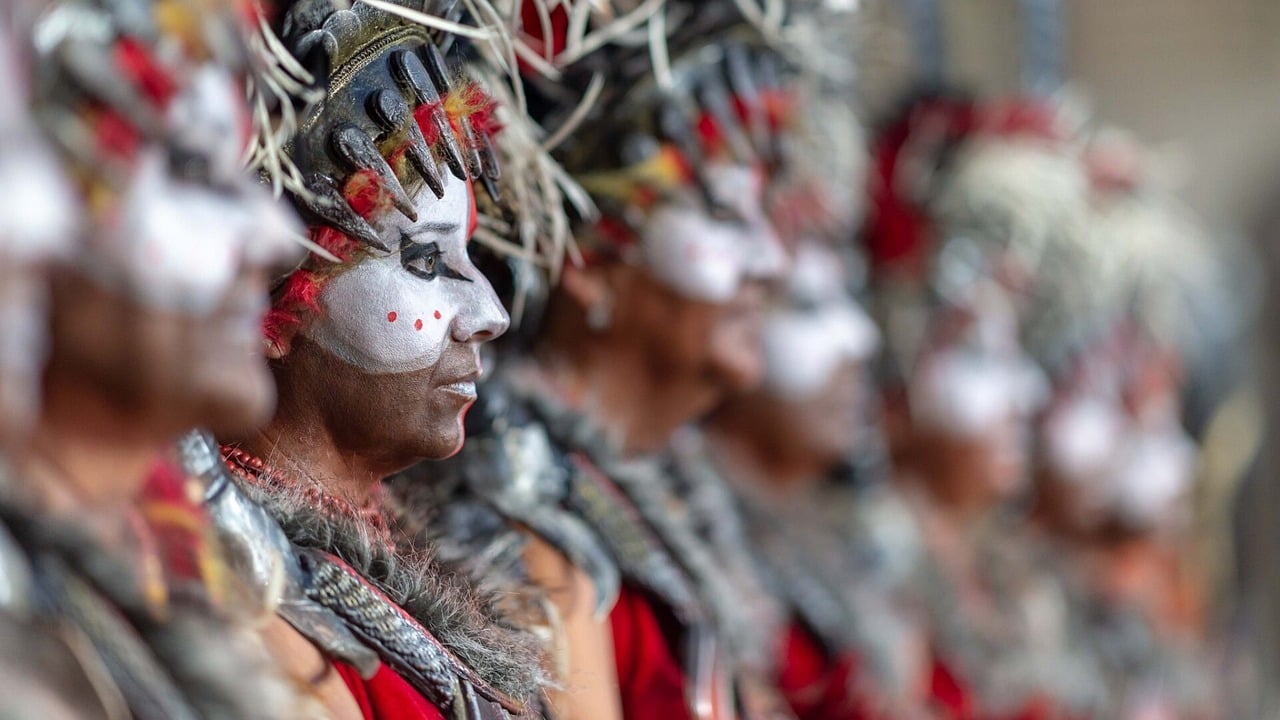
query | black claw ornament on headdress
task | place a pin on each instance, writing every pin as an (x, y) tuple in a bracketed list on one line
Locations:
[(707, 85), (395, 109)]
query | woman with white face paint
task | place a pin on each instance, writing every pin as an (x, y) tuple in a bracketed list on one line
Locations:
[(851, 648), (152, 309), (375, 344), (658, 325), (950, 244)]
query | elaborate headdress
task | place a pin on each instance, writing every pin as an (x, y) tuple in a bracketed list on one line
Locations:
[(699, 83), (143, 98), (372, 99)]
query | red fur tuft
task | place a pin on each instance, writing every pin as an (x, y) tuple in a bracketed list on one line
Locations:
[(422, 114), (483, 109), (778, 107), (137, 64), (276, 323), (365, 194), (114, 135), (301, 292), (335, 241), (710, 133)]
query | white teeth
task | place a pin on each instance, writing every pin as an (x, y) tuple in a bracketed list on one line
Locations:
[(462, 388)]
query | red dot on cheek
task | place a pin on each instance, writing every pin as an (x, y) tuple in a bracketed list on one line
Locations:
[(437, 314), (391, 316), (417, 324)]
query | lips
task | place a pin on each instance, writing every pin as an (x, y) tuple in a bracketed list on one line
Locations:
[(464, 385), (462, 388)]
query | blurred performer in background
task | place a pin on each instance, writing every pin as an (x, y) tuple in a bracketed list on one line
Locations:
[(109, 559), (375, 345), (1116, 465), (802, 456), (852, 650), (656, 327), (969, 202)]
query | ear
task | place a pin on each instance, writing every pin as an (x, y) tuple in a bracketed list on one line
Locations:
[(279, 329), (587, 287)]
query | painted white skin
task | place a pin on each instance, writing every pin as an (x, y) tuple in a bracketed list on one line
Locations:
[(1152, 474), (1082, 436), (395, 313), (983, 381), (180, 243), (705, 258), (37, 226), (816, 329), (37, 207)]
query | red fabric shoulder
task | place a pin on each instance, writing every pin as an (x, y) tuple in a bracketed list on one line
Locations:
[(817, 685), (387, 696), (951, 697), (651, 681)]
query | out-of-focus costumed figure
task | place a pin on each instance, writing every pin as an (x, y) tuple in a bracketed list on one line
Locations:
[(597, 360)]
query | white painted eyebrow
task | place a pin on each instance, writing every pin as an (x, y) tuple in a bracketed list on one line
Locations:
[(433, 228)]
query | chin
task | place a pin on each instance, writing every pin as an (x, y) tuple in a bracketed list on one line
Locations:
[(446, 439), (235, 409)]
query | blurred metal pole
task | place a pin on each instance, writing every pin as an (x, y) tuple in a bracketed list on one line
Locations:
[(928, 31), (1043, 38)]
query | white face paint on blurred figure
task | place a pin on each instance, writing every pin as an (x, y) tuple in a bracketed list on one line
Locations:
[(181, 241), (37, 227), (1138, 469), (707, 255), (816, 328), (982, 382)]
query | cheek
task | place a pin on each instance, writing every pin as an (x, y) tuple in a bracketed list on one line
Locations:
[(176, 247), (381, 319), (801, 353), (692, 256)]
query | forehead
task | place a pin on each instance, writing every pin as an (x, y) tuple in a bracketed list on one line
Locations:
[(733, 182), (816, 274), (456, 210)]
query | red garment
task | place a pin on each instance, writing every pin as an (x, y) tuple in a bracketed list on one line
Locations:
[(651, 681), (952, 699), (387, 696), (816, 685)]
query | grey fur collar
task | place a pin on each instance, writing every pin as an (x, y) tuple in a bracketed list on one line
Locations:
[(466, 618)]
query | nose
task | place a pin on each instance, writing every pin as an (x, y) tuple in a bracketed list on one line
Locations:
[(481, 317)]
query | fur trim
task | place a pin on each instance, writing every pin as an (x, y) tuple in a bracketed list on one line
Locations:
[(465, 615)]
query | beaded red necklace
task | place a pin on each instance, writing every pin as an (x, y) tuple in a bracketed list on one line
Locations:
[(256, 472)]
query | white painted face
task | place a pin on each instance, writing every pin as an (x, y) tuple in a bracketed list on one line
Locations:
[(1151, 474), (816, 328), (38, 214), (37, 207), (178, 243), (1082, 435), (1137, 467), (706, 258), (396, 312), (983, 381)]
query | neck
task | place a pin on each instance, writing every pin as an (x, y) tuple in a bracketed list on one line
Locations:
[(298, 443), (617, 390), (756, 461), (86, 453), (945, 502)]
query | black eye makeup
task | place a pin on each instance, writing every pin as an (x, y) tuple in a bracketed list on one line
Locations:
[(425, 260)]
